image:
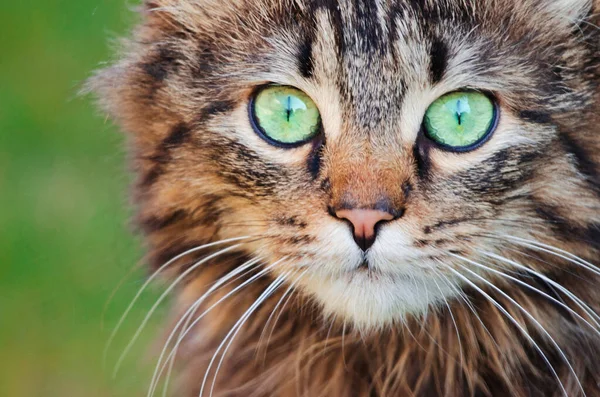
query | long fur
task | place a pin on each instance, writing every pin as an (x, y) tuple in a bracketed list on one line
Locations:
[(526, 204)]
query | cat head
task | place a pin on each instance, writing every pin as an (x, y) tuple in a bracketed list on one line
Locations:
[(428, 142)]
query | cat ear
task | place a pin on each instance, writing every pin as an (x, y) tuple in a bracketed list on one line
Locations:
[(191, 14), (174, 14), (568, 11)]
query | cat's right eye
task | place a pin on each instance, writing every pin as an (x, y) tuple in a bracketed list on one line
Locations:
[(284, 116)]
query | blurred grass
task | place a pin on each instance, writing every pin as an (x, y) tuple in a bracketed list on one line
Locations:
[(64, 239)]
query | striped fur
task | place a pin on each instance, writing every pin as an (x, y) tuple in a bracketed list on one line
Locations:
[(181, 89)]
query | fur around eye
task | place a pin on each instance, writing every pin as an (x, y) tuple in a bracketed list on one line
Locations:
[(461, 121), (284, 116)]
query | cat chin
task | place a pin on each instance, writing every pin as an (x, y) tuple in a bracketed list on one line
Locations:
[(371, 301)]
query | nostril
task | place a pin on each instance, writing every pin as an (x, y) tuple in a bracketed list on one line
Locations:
[(363, 242), (380, 223), (399, 213), (331, 211)]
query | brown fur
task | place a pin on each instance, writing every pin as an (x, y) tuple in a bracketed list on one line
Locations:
[(180, 91)]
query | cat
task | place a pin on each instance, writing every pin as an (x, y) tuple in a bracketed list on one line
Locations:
[(369, 197)]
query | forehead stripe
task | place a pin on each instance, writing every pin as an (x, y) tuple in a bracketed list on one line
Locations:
[(438, 54), (305, 57)]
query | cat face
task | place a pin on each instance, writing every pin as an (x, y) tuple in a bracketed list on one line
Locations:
[(370, 213)]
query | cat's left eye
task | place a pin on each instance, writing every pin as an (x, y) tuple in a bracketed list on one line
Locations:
[(284, 116), (461, 120)]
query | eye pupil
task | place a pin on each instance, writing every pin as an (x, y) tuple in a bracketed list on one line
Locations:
[(289, 108)]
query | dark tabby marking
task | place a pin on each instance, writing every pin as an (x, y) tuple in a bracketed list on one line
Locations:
[(439, 60), (484, 283), (305, 61)]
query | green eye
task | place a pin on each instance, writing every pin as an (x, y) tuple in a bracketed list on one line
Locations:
[(285, 116), (460, 121)]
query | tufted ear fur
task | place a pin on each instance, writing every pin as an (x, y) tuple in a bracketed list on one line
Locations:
[(179, 12), (196, 15), (569, 11)]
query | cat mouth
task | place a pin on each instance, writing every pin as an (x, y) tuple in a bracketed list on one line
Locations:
[(366, 270), (364, 266)]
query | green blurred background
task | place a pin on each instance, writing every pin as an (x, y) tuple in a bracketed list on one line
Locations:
[(65, 242)]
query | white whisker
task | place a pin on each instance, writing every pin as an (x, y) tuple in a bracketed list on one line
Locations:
[(208, 310), (286, 293), (426, 311), (149, 281), (189, 313), (451, 316), (344, 345), (234, 331), (514, 321), (469, 304), (329, 332), (161, 298), (556, 252), (529, 315), (189, 320), (581, 304), (279, 302)]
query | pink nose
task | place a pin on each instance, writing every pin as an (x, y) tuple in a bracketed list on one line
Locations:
[(364, 222)]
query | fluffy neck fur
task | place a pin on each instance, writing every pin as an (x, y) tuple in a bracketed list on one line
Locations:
[(468, 348)]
